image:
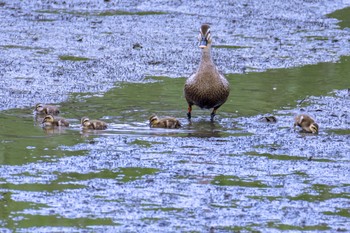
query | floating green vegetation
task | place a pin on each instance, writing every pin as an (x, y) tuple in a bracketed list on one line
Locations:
[(236, 181), (73, 58), (30, 220), (7, 200), (218, 206), (286, 227), (340, 131), (263, 198), (45, 20), (141, 143), (230, 47), (164, 209), (286, 157), (124, 174), (150, 219), (301, 173), (317, 37), (248, 228), (134, 173), (102, 13), (118, 12), (276, 157), (340, 212), (343, 15), (48, 11), (43, 187), (324, 193), (16, 47), (10, 46), (144, 143)]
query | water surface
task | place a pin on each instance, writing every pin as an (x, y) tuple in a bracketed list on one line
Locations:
[(234, 174)]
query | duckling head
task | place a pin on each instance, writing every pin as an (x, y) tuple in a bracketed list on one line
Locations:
[(39, 107), (204, 36), (314, 128), (153, 120), (85, 121), (48, 119)]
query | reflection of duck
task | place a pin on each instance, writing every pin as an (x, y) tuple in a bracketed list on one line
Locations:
[(46, 109), (207, 88), (167, 122), (306, 123), (93, 124), (50, 121)]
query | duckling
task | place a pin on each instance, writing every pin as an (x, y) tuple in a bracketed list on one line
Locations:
[(93, 124), (46, 109), (50, 121), (306, 123), (270, 119), (206, 88), (167, 122)]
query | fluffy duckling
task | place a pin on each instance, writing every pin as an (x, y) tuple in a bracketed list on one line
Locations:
[(306, 123), (207, 88), (50, 121), (167, 122), (46, 109), (93, 124)]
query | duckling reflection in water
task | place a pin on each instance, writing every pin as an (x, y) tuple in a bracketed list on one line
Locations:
[(46, 109), (207, 88), (307, 124), (167, 122), (93, 124), (50, 121)]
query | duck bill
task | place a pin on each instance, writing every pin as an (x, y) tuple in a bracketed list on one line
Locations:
[(203, 43)]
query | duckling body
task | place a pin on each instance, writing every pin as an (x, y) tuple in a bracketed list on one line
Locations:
[(270, 119), (207, 88), (307, 124), (93, 124), (50, 121), (167, 122), (47, 109)]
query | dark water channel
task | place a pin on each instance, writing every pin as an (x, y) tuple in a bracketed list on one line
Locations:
[(238, 174)]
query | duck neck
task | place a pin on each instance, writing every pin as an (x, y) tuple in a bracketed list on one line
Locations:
[(206, 58)]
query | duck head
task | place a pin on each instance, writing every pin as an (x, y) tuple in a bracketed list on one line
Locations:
[(48, 119), (314, 128), (85, 121), (39, 107), (204, 36), (153, 120)]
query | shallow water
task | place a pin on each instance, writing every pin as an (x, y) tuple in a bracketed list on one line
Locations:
[(236, 174)]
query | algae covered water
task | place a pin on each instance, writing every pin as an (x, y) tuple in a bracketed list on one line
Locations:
[(121, 62)]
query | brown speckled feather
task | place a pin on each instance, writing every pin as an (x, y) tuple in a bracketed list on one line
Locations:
[(93, 124), (167, 122), (207, 88), (306, 123), (46, 109), (50, 121)]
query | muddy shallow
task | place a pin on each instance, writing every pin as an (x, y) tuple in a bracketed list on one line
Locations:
[(236, 174)]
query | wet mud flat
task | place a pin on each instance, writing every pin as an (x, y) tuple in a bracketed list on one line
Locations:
[(237, 174)]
